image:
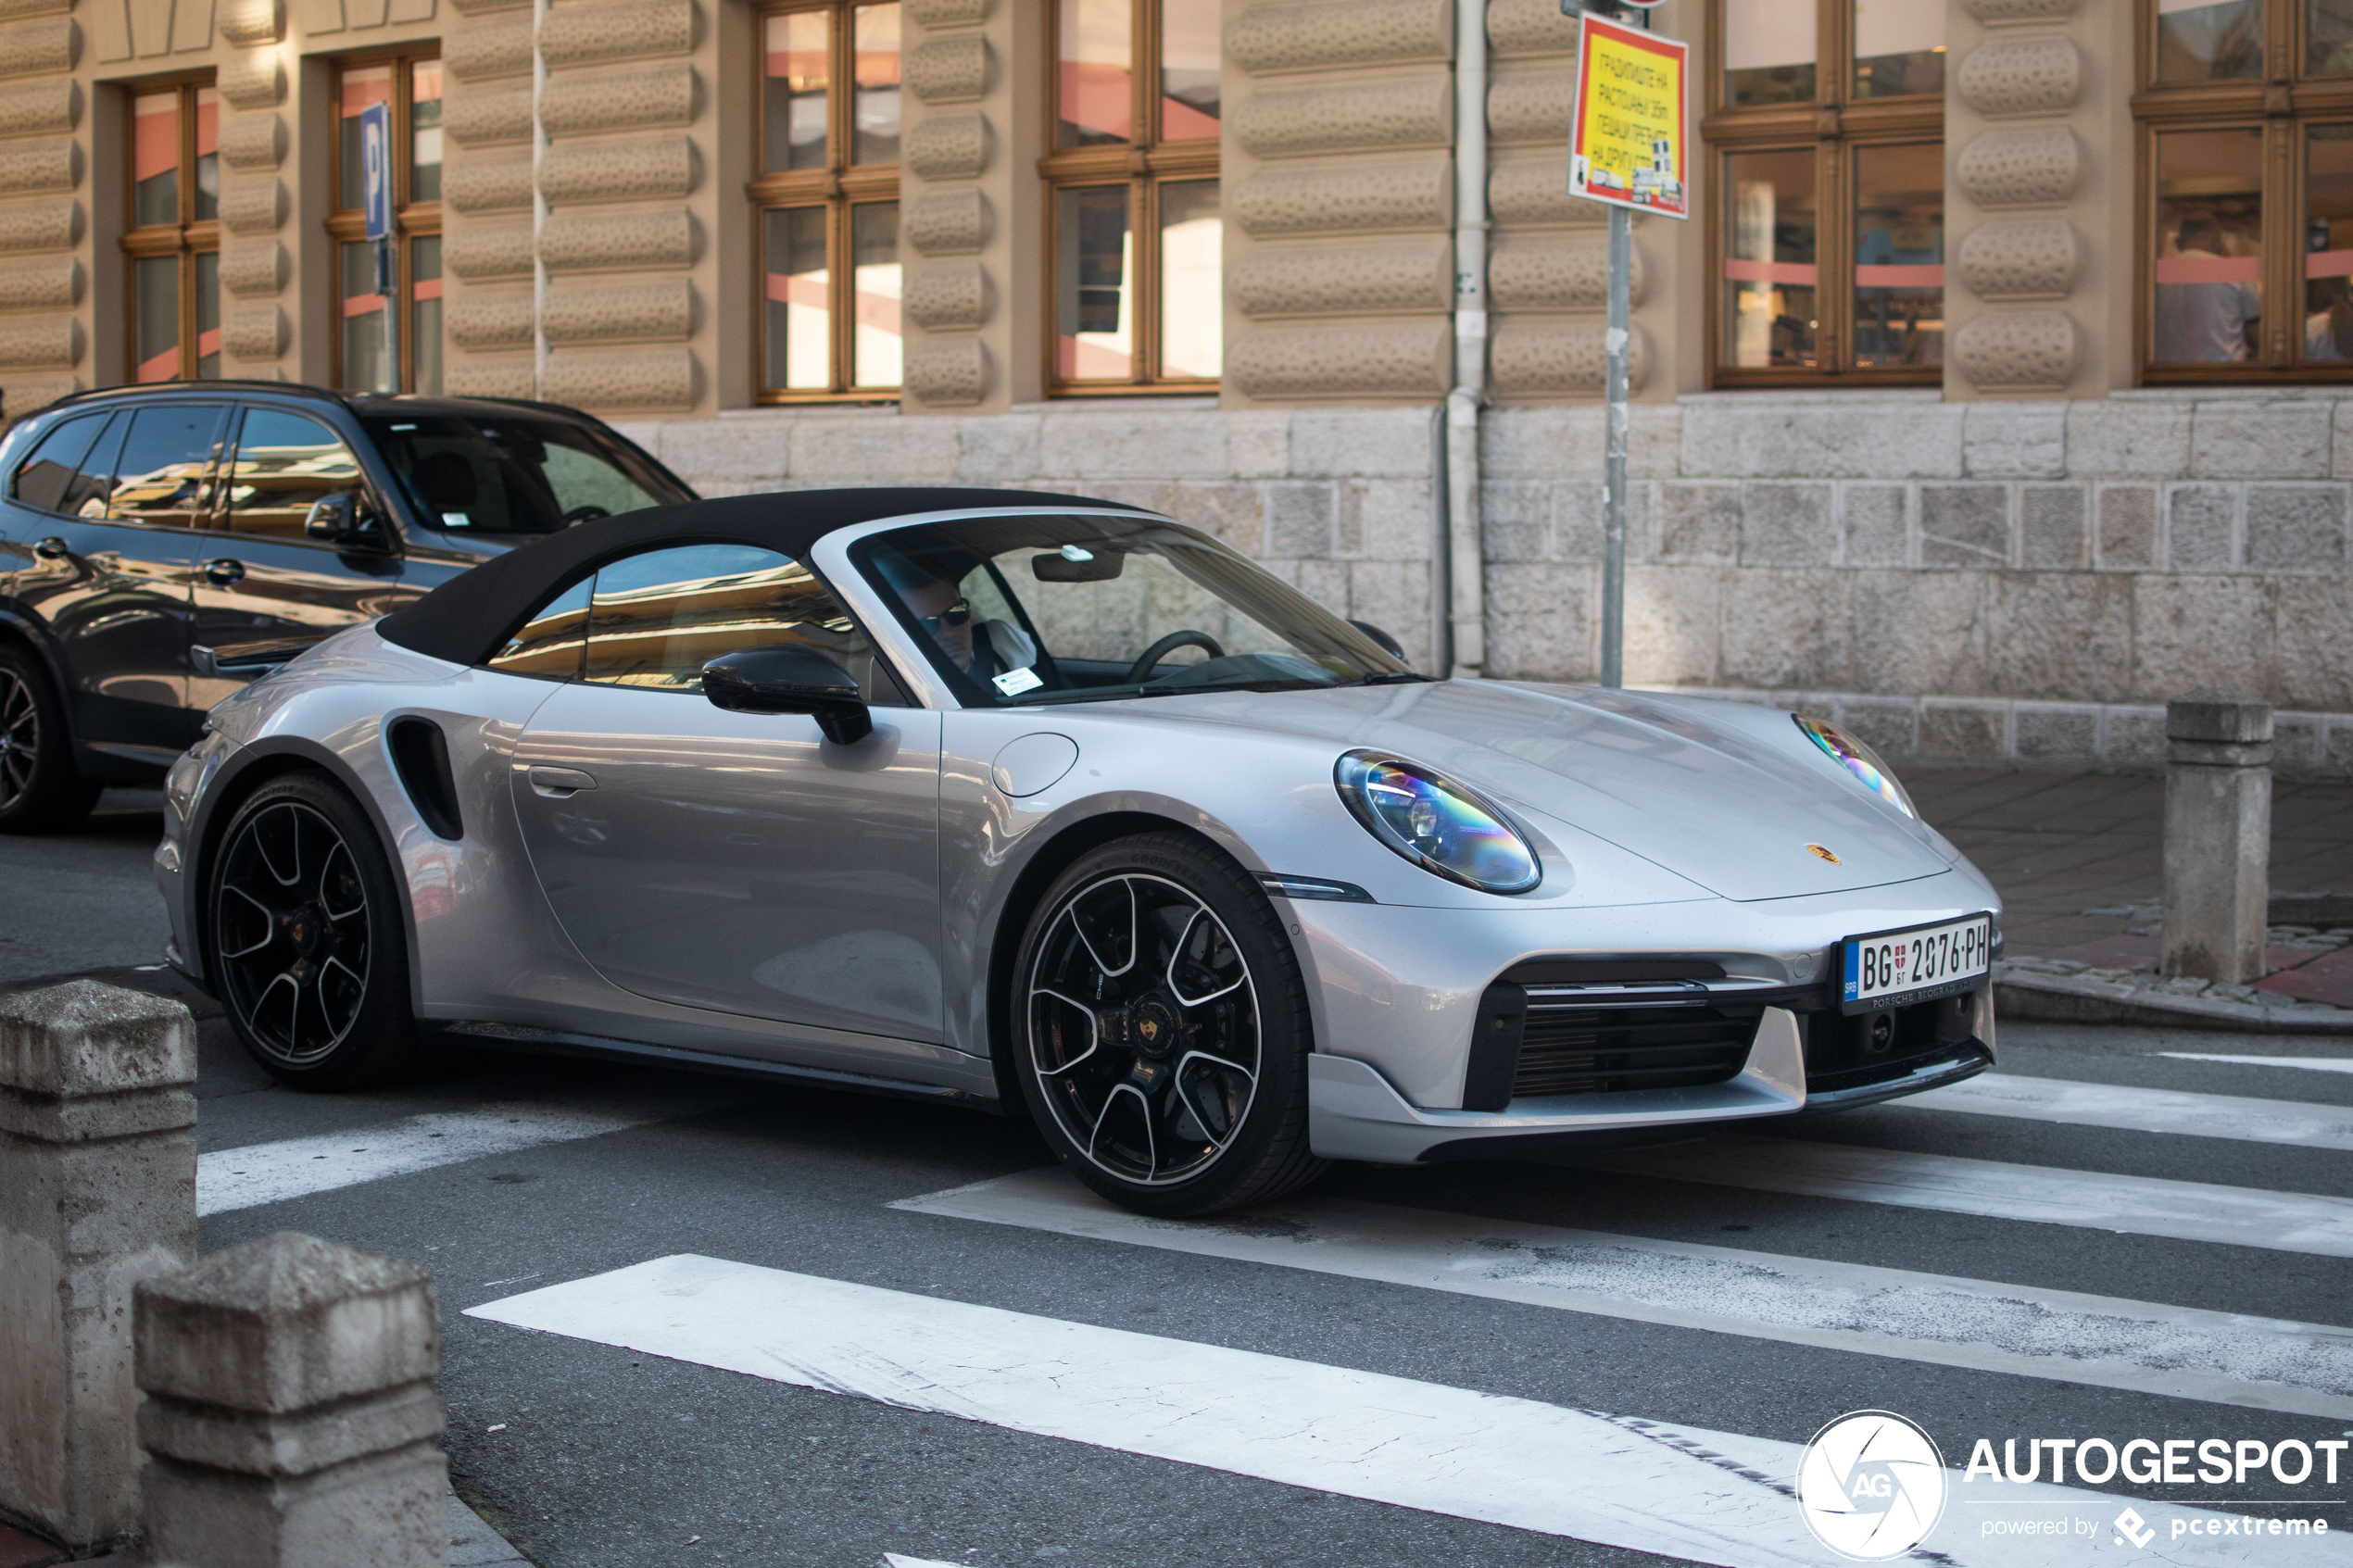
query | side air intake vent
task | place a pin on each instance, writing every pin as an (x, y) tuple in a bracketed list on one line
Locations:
[(421, 758)]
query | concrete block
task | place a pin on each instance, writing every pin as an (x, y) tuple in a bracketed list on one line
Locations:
[(1674, 625), (996, 448), (1919, 632), (1967, 525), (1787, 525), (1299, 518), (1325, 582), (2050, 633), (1549, 443), (97, 1193), (2336, 747), (2132, 737), (1578, 521), (1258, 443), (2218, 835), (1134, 444), (2127, 440), (2260, 438), (749, 449), (2014, 440), (1760, 435), (1874, 527), (867, 447), (1396, 597), (1517, 519), (1890, 725), (2296, 744), (2296, 527), (1787, 628), (1698, 523), (2313, 658), (1539, 622), (2196, 630), (1235, 510), (1964, 732), (2341, 438), (2056, 734), (2051, 536), (2126, 534), (2201, 527), (1362, 443)]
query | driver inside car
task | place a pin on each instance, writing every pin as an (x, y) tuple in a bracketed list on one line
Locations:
[(932, 588)]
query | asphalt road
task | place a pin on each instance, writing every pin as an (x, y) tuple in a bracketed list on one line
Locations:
[(586, 1453)]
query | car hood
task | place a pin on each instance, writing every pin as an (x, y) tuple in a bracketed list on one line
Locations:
[(1712, 801)]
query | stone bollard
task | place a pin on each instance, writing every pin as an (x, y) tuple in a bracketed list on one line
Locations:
[(97, 1193), (2218, 835), (290, 1416)]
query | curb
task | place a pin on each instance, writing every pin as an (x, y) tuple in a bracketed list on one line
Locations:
[(2120, 996)]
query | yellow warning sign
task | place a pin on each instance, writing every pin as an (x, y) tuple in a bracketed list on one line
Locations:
[(1627, 143)]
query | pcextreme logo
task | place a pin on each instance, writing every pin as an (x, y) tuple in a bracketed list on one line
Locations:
[(1872, 1486)]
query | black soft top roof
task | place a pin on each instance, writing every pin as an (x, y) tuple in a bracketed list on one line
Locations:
[(470, 617)]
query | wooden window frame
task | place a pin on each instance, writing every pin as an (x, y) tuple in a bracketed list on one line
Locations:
[(185, 239), (1833, 127), (1143, 165), (837, 188), (2283, 105), (410, 219)]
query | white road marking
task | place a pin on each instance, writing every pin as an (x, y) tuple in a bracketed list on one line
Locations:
[(2285, 1221), (2262, 1363), (895, 1560), (2145, 1110), (1712, 1497), (271, 1173), (2313, 1063)]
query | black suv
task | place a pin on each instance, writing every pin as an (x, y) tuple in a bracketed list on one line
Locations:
[(162, 545)]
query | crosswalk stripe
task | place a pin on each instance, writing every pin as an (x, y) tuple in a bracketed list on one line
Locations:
[(2067, 1336), (1712, 1497), (2145, 1110), (2285, 1221), (273, 1173), (2312, 1063)]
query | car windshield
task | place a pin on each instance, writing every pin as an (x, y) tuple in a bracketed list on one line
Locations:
[(1071, 608), (501, 473)]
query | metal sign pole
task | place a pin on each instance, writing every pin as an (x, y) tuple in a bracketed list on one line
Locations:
[(375, 148), (1614, 343), (388, 286)]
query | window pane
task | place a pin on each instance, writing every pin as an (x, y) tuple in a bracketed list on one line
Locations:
[(207, 314), (2210, 246), (363, 320), (1768, 52), (424, 307), (2197, 43), (657, 619), (1899, 48), (1189, 57), (1899, 255), (800, 336), (285, 463), (424, 132), (551, 641), (45, 477), (2328, 244), (160, 475), (208, 155), (1097, 55), (155, 288), (875, 340), (2328, 37), (793, 100), (155, 160), (1768, 259), (1093, 305), (361, 85), (1193, 323), (874, 102)]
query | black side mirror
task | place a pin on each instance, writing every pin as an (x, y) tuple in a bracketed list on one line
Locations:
[(338, 520), (1383, 638), (789, 677)]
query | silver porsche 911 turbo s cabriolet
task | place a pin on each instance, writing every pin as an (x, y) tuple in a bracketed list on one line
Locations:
[(1028, 800)]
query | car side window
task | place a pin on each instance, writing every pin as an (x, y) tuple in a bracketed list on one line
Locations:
[(48, 472), (551, 641), (657, 618), (160, 476), (285, 463)]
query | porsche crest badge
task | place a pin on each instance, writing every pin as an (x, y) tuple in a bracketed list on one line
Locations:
[(1825, 854)]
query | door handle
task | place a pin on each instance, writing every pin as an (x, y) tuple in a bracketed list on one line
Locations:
[(224, 572), (52, 548), (560, 783)]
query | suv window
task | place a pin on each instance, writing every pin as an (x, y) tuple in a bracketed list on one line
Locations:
[(519, 474), (285, 463), (159, 477), (46, 476)]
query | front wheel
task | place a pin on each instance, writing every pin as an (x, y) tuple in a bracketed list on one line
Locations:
[(1163, 1032), (38, 789), (302, 938)]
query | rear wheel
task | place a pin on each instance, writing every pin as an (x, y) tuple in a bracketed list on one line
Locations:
[(40, 791), (302, 934), (1162, 1030)]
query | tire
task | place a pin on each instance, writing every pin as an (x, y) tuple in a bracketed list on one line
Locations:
[(1169, 1069), (302, 938), (40, 791)]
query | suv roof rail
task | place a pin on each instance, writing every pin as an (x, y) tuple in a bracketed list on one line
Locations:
[(291, 388)]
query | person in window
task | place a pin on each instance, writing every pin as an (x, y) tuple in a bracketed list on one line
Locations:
[(932, 588), (2328, 331), (2204, 322)]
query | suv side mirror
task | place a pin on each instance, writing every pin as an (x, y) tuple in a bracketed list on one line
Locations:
[(789, 677), (338, 520)]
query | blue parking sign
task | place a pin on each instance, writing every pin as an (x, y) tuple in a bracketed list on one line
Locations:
[(375, 158)]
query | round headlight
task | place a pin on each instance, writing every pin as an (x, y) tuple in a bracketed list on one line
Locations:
[(1857, 758), (1437, 823)]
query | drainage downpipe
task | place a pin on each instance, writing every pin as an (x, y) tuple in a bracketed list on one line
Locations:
[(1467, 568)]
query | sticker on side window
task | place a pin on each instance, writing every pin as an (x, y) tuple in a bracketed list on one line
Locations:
[(456, 519), (1013, 683)]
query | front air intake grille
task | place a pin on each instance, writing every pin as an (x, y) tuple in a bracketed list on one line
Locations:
[(1582, 1051)]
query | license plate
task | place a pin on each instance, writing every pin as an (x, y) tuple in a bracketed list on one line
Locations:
[(1894, 969)]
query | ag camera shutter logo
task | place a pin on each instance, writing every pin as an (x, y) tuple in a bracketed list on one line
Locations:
[(1872, 1486)]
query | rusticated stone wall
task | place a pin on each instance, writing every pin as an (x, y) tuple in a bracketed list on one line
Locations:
[(486, 289), (45, 349)]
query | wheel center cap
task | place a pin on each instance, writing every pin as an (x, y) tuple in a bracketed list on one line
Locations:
[(1155, 1027), (306, 929)]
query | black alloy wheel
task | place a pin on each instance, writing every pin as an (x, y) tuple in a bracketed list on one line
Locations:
[(303, 939), (1163, 1030), (38, 789)]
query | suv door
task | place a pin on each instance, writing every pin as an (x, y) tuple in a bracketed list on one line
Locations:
[(111, 566), (263, 584)]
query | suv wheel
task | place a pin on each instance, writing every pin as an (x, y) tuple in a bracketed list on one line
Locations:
[(38, 789)]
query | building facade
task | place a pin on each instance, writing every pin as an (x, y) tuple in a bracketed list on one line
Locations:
[(1994, 393)]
